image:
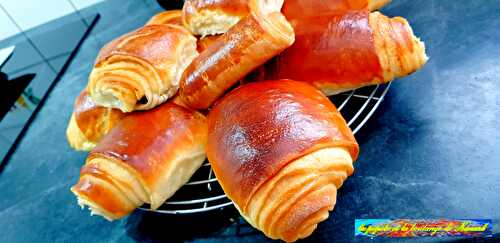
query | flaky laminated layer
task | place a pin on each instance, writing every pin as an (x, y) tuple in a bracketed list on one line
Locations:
[(144, 159), (89, 123), (211, 17), (400, 52), (280, 150), (290, 205), (76, 138), (259, 128), (141, 69)]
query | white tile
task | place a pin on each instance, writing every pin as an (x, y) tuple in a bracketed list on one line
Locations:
[(8, 28), (81, 4), (31, 13)]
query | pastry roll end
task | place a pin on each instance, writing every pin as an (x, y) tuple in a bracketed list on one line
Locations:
[(103, 198), (89, 123), (400, 52), (280, 150), (141, 70), (273, 21), (204, 17), (290, 205), (76, 138), (144, 159), (254, 40), (265, 7)]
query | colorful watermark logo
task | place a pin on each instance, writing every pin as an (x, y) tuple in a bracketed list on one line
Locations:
[(423, 228)]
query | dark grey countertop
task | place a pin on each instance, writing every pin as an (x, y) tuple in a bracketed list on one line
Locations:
[(431, 150)]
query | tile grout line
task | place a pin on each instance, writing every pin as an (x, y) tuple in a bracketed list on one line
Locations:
[(28, 39), (77, 11)]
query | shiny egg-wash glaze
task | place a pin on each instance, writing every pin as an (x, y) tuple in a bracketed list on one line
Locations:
[(89, 122), (247, 45), (260, 130), (301, 8), (210, 17), (342, 51), (338, 45), (144, 159), (204, 42), (141, 69)]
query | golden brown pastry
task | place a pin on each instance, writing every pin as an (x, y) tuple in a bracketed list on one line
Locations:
[(167, 17), (342, 51), (247, 45), (205, 42), (210, 17), (89, 123), (144, 159), (141, 69), (293, 9), (280, 150)]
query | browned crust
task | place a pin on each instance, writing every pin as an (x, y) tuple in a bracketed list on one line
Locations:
[(149, 43), (91, 190), (260, 127), (146, 63), (146, 141), (205, 42), (293, 9), (94, 121), (250, 43)]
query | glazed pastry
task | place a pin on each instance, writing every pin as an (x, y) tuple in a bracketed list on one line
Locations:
[(210, 17), (293, 9), (167, 17), (144, 159), (247, 45), (339, 52), (141, 69), (205, 42), (89, 123), (280, 150)]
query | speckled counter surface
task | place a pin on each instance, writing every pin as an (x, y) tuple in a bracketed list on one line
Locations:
[(431, 150)]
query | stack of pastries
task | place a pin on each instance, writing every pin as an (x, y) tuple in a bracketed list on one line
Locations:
[(163, 98)]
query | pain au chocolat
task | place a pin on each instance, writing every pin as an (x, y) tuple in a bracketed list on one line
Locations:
[(250, 43), (145, 158), (280, 150), (141, 69), (342, 51)]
